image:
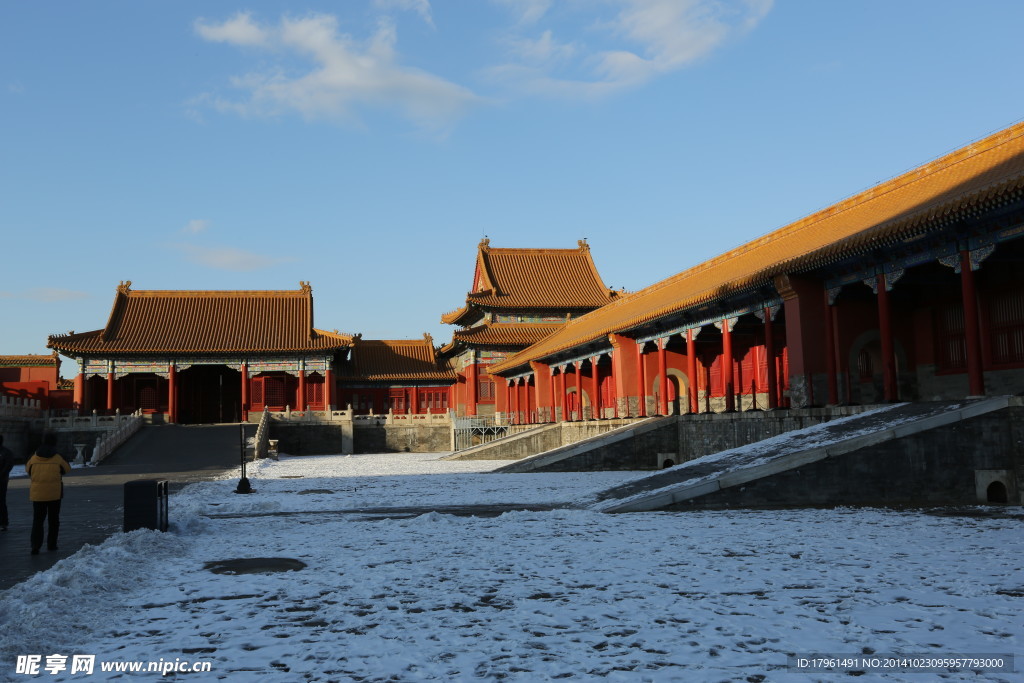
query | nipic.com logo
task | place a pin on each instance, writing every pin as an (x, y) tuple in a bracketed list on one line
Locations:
[(33, 665)]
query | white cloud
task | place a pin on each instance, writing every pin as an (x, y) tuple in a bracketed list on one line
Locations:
[(527, 11), (340, 76), (51, 294), (229, 258), (196, 226), (420, 7), (646, 39), (238, 30)]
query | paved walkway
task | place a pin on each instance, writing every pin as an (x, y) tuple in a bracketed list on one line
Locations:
[(93, 506)]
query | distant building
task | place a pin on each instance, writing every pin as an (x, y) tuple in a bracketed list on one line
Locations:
[(518, 298), (35, 377), (401, 375)]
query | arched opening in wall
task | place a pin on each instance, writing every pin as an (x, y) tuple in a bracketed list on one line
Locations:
[(576, 401), (996, 493), (677, 390), (668, 462)]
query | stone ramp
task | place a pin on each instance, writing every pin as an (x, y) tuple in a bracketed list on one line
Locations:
[(178, 448), (789, 451), (551, 458)]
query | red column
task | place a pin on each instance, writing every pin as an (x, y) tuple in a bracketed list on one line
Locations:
[(302, 390), (691, 372), (972, 327), (890, 389), (663, 373), (769, 351), (551, 390), (727, 380), (642, 379), (79, 396), (515, 401), (565, 395), (830, 354), (415, 399), (245, 392), (595, 389), (328, 388), (110, 391), (471, 389), (524, 403), (172, 394), (614, 383)]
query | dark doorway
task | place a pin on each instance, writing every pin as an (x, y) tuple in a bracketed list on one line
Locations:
[(996, 492), (209, 394)]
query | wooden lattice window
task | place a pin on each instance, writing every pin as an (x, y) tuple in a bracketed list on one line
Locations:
[(148, 398), (1006, 314), (314, 392), (274, 389), (950, 341), (434, 400), (485, 389), (256, 391)]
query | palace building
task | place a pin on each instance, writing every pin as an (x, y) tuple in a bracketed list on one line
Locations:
[(404, 376), (910, 290), (519, 297), (205, 356)]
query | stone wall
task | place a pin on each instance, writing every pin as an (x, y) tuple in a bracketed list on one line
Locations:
[(403, 439), (316, 438), (941, 466)]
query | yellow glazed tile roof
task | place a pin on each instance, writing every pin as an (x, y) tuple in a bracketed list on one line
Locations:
[(396, 359), (894, 209), (29, 360), (534, 279), (204, 321)]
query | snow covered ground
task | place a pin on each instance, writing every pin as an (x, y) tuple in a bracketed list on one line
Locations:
[(523, 596)]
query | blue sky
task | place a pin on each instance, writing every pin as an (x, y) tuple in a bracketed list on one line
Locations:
[(368, 146)]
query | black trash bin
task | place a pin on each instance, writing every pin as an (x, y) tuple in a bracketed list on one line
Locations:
[(145, 504)]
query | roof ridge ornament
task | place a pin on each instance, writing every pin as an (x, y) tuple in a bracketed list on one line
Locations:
[(125, 287), (485, 244), (304, 287), (583, 244)]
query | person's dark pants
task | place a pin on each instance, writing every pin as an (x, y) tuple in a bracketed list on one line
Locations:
[(3, 503), (40, 512)]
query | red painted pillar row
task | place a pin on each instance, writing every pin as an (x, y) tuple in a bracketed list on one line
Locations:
[(972, 327)]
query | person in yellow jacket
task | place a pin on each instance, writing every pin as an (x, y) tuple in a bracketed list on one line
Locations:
[(46, 470)]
